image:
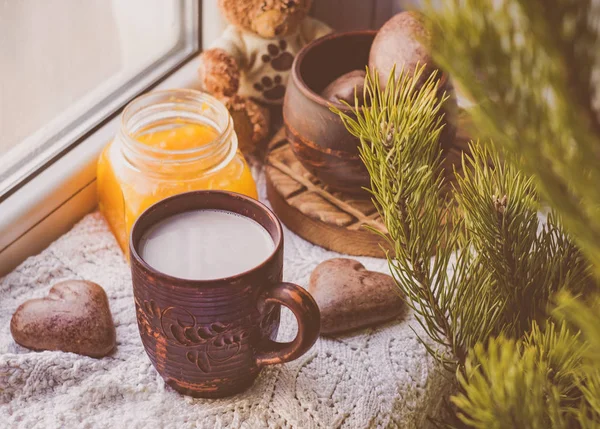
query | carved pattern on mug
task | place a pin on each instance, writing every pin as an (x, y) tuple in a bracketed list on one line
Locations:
[(147, 315), (210, 344)]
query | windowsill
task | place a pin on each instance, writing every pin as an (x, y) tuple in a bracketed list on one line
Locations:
[(49, 204)]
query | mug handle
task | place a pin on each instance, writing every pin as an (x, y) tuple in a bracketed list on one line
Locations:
[(307, 313)]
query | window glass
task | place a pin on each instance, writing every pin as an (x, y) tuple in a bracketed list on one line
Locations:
[(67, 64)]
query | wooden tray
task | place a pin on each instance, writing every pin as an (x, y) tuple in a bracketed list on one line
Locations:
[(330, 219), (323, 217)]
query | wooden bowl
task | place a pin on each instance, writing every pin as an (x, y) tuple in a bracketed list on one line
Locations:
[(317, 136)]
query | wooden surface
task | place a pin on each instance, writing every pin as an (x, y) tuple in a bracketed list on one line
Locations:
[(308, 208), (330, 219)]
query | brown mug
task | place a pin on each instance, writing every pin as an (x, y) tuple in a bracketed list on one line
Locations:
[(210, 338)]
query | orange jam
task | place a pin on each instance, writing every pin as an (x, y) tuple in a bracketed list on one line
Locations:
[(166, 157)]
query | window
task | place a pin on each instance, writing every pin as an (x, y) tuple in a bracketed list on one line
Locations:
[(67, 68), (66, 65)]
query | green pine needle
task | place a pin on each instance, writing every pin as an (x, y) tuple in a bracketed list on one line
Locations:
[(472, 263), (476, 263), (531, 69), (533, 383)]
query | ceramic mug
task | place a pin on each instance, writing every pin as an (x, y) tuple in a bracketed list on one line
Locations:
[(210, 338)]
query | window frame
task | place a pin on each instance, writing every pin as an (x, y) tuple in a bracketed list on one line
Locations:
[(74, 133), (48, 201)]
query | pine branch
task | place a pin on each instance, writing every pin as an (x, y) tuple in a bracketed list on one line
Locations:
[(583, 317), (489, 266), (476, 263), (471, 263), (534, 383), (399, 132), (529, 66), (529, 259), (445, 284), (576, 41)]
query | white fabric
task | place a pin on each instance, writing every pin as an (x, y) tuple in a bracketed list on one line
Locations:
[(377, 377)]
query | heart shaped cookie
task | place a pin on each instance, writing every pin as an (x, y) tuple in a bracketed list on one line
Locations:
[(74, 317), (351, 297)]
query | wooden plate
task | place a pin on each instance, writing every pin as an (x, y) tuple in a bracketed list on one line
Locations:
[(330, 219), (323, 217)]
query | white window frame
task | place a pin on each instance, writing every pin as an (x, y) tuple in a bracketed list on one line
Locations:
[(49, 201)]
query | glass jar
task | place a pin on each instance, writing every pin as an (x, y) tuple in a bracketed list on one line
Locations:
[(169, 142)]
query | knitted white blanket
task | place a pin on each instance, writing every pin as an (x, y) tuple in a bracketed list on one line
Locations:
[(377, 377)]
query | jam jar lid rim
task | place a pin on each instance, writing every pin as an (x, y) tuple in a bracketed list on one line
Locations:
[(201, 97)]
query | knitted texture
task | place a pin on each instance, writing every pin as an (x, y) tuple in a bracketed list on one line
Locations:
[(376, 377)]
